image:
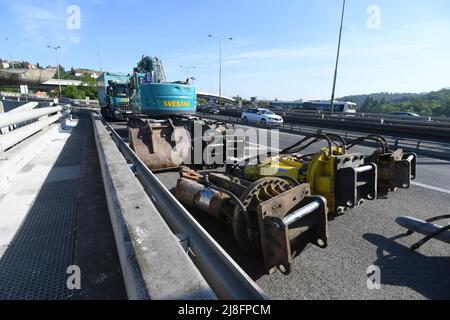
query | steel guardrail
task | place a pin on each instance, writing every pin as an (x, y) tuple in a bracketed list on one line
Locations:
[(20, 120), (154, 264), (420, 146), (222, 273), (414, 129)]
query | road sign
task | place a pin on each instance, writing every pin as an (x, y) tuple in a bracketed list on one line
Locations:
[(24, 89)]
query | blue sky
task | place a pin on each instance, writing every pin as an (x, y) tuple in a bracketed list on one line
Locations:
[(282, 49)]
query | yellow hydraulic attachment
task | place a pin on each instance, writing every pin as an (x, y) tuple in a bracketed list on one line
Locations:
[(342, 178)]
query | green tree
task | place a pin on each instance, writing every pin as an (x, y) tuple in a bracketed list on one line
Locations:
[(263, 104)]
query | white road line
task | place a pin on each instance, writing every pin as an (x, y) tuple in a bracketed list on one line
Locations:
[(264, 147), (431, 187)]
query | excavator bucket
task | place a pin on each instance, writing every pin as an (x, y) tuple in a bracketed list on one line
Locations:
[(161, 145), (169, 144)]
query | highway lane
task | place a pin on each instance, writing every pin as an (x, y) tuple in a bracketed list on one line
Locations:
[(360, 238), (366, 236)]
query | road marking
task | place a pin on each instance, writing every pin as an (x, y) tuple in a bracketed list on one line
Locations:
[(431, 187), (264, 147)]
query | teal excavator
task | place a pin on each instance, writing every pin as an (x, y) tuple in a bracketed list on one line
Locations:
[(161, 128)]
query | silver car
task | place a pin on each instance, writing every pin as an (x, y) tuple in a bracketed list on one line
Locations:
[(261, 116)]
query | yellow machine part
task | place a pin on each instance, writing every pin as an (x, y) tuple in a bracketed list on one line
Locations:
[(319, 172), (275, 167)]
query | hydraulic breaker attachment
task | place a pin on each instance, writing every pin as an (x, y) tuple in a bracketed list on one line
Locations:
[(273, 216), (284, 236), (171, 143), (342, 178), (396, 169), (354, 182)]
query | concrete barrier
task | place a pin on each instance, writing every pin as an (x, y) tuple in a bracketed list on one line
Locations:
[(154, 264)]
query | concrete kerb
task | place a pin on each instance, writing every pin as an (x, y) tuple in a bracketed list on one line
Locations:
[(154, 264)]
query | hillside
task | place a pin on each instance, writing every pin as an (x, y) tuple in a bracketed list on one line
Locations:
[(428, 104)]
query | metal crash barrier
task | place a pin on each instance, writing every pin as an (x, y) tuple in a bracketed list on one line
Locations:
[(39, 118)]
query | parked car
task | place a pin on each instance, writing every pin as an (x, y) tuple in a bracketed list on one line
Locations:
[(213, 111), (261, 116), (65, 100)]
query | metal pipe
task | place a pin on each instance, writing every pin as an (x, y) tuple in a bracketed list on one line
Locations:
[(301, 213), (423, 227), (8, 119), (26, 107), (364, 169), (14, 137)]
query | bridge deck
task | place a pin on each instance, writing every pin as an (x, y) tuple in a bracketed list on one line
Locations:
[(53, 214)]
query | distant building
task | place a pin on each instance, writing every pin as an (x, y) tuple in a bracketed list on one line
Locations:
[(5, 65), (41, 94), (285, 104), (86, 72)]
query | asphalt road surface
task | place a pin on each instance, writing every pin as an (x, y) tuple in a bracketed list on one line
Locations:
[(363, 237)]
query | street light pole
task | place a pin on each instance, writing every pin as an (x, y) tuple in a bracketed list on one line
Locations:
[(57, 66), (220, 65), (10, 55), (220, 72), (337, 58), (100, 62)]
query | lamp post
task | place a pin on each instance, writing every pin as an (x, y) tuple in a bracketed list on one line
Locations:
[(337, 58), (10, 55), (220, 64), (57, 65), (100, 62)]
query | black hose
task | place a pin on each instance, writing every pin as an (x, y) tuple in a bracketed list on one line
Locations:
[(339, 139), (296, 148), (379, 139)]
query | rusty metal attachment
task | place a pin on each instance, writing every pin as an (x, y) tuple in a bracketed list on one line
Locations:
[(159, 144), (168, 144), (396, 169), (273, 216)]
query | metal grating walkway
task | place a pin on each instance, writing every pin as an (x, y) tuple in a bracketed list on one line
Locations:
[(34, 264)]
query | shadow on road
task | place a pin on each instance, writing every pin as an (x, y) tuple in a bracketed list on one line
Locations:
[(401, 266)]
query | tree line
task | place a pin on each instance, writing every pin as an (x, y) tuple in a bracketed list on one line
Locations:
[(436, 103)]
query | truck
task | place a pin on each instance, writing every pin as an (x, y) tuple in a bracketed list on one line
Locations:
[(114, 95)]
